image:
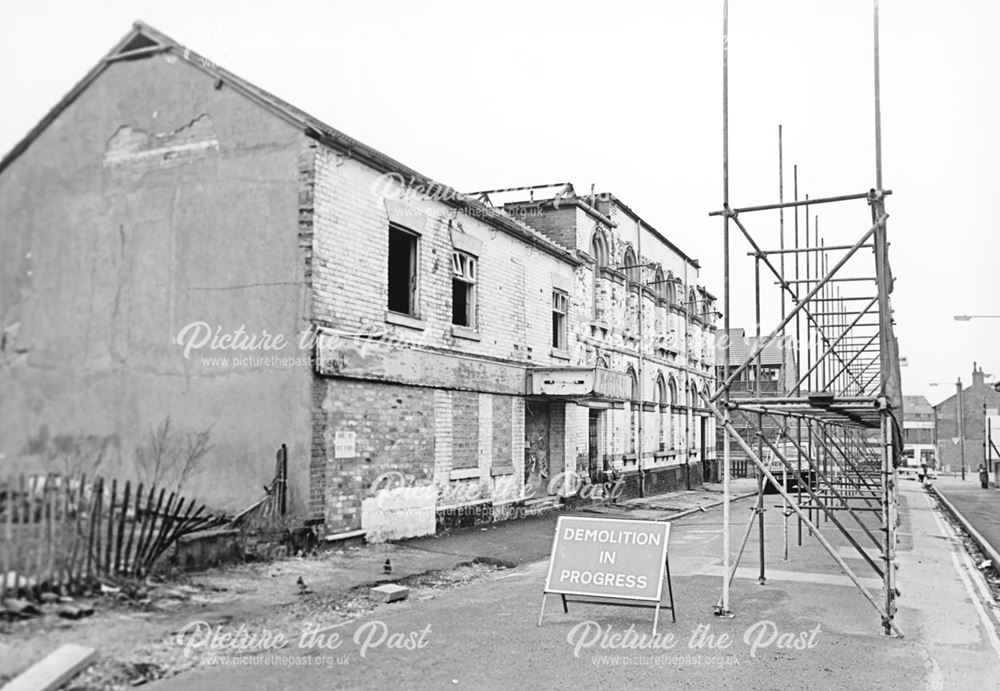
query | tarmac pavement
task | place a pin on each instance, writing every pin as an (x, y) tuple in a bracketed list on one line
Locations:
[(807, 627)]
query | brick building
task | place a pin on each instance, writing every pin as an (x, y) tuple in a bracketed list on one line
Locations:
[(180, 244), (918, 421), (777, 376), (635, 307), (778, 369), (978, 401)]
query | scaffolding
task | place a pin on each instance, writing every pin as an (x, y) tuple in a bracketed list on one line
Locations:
[(836, 433)]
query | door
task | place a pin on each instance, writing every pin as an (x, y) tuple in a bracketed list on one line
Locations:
[(594, 468), (705, 469)]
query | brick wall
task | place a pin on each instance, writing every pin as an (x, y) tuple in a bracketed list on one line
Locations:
[(395, 432), (974, 424), (465, 429)]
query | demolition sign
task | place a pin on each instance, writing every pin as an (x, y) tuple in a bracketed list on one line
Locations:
[(608, 558)]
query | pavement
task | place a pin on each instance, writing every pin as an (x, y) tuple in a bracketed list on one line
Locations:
[(807, 626)]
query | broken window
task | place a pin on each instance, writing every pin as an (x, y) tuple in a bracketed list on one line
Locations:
[(463, 289), (560, 310), (402, 288)]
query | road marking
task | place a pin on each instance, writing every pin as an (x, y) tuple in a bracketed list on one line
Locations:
[(977, 577), (991, 632)]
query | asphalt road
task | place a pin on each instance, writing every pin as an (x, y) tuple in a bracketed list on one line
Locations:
[(981, 507), (825, 636)]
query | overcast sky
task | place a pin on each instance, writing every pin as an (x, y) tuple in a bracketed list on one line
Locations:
[(627, 96)]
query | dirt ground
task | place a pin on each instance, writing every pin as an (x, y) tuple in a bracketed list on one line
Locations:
[(137, 641)]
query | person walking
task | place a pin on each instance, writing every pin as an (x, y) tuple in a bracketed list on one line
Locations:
[(984, 477)]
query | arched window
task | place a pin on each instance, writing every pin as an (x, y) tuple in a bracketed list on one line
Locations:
[(601, 362), (661, 413), (599, 250), (660, 283), (671, 289), (635, 407), (632, 294), (632, 272), (692, 306), (672, 416)]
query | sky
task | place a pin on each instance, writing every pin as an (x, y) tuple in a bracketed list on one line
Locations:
[(627, 97)]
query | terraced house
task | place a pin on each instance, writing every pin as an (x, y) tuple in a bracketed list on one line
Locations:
[(181, 245)]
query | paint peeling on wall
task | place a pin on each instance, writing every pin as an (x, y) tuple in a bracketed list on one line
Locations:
[(131, 146)]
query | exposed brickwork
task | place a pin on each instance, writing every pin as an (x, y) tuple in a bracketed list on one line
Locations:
[(676, 344), (501, 420), (465, 429), (476, 422), (443, 449), (395, 432)]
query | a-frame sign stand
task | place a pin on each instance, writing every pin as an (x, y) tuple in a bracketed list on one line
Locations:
[(582, 570)]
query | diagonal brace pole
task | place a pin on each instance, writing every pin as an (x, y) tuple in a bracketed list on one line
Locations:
[(733, 434)]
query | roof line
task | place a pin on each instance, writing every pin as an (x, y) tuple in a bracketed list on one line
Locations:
[(310, 125), (639, 219), (65, 101)]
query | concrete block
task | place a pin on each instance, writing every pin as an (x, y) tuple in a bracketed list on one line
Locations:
[(53, 671), (390, 592)]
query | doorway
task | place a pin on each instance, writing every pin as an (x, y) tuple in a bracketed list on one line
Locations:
[(594, 468), (706, 471)]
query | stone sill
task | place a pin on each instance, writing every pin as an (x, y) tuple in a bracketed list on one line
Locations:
[(464, 473), (559, 353), (404, 320), (465, 332), (503, 470)]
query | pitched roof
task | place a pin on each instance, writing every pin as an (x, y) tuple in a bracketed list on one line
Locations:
[(143, 41), (742, 347), (917, 404)]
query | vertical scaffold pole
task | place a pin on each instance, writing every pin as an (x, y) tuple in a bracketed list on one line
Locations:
[(798, 348), (784, 341), (724, 610), (760, 426)]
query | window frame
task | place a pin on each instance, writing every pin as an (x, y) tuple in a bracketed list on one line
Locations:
[(560, 336), (466, 272), (414, 271)]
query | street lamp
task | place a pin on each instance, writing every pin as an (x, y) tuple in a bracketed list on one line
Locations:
[(969, 317), (959, 419)]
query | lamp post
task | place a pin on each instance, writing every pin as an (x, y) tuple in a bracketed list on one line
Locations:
[(960, 420)]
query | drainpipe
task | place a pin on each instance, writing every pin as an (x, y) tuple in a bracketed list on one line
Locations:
[(687, 382), (642, 359)]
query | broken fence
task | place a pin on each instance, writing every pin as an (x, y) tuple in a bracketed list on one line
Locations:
[(65, 534)]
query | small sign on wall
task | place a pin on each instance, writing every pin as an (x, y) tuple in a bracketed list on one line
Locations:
[(345, 444)]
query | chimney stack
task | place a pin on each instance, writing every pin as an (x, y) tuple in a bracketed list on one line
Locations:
[(978, 378)]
